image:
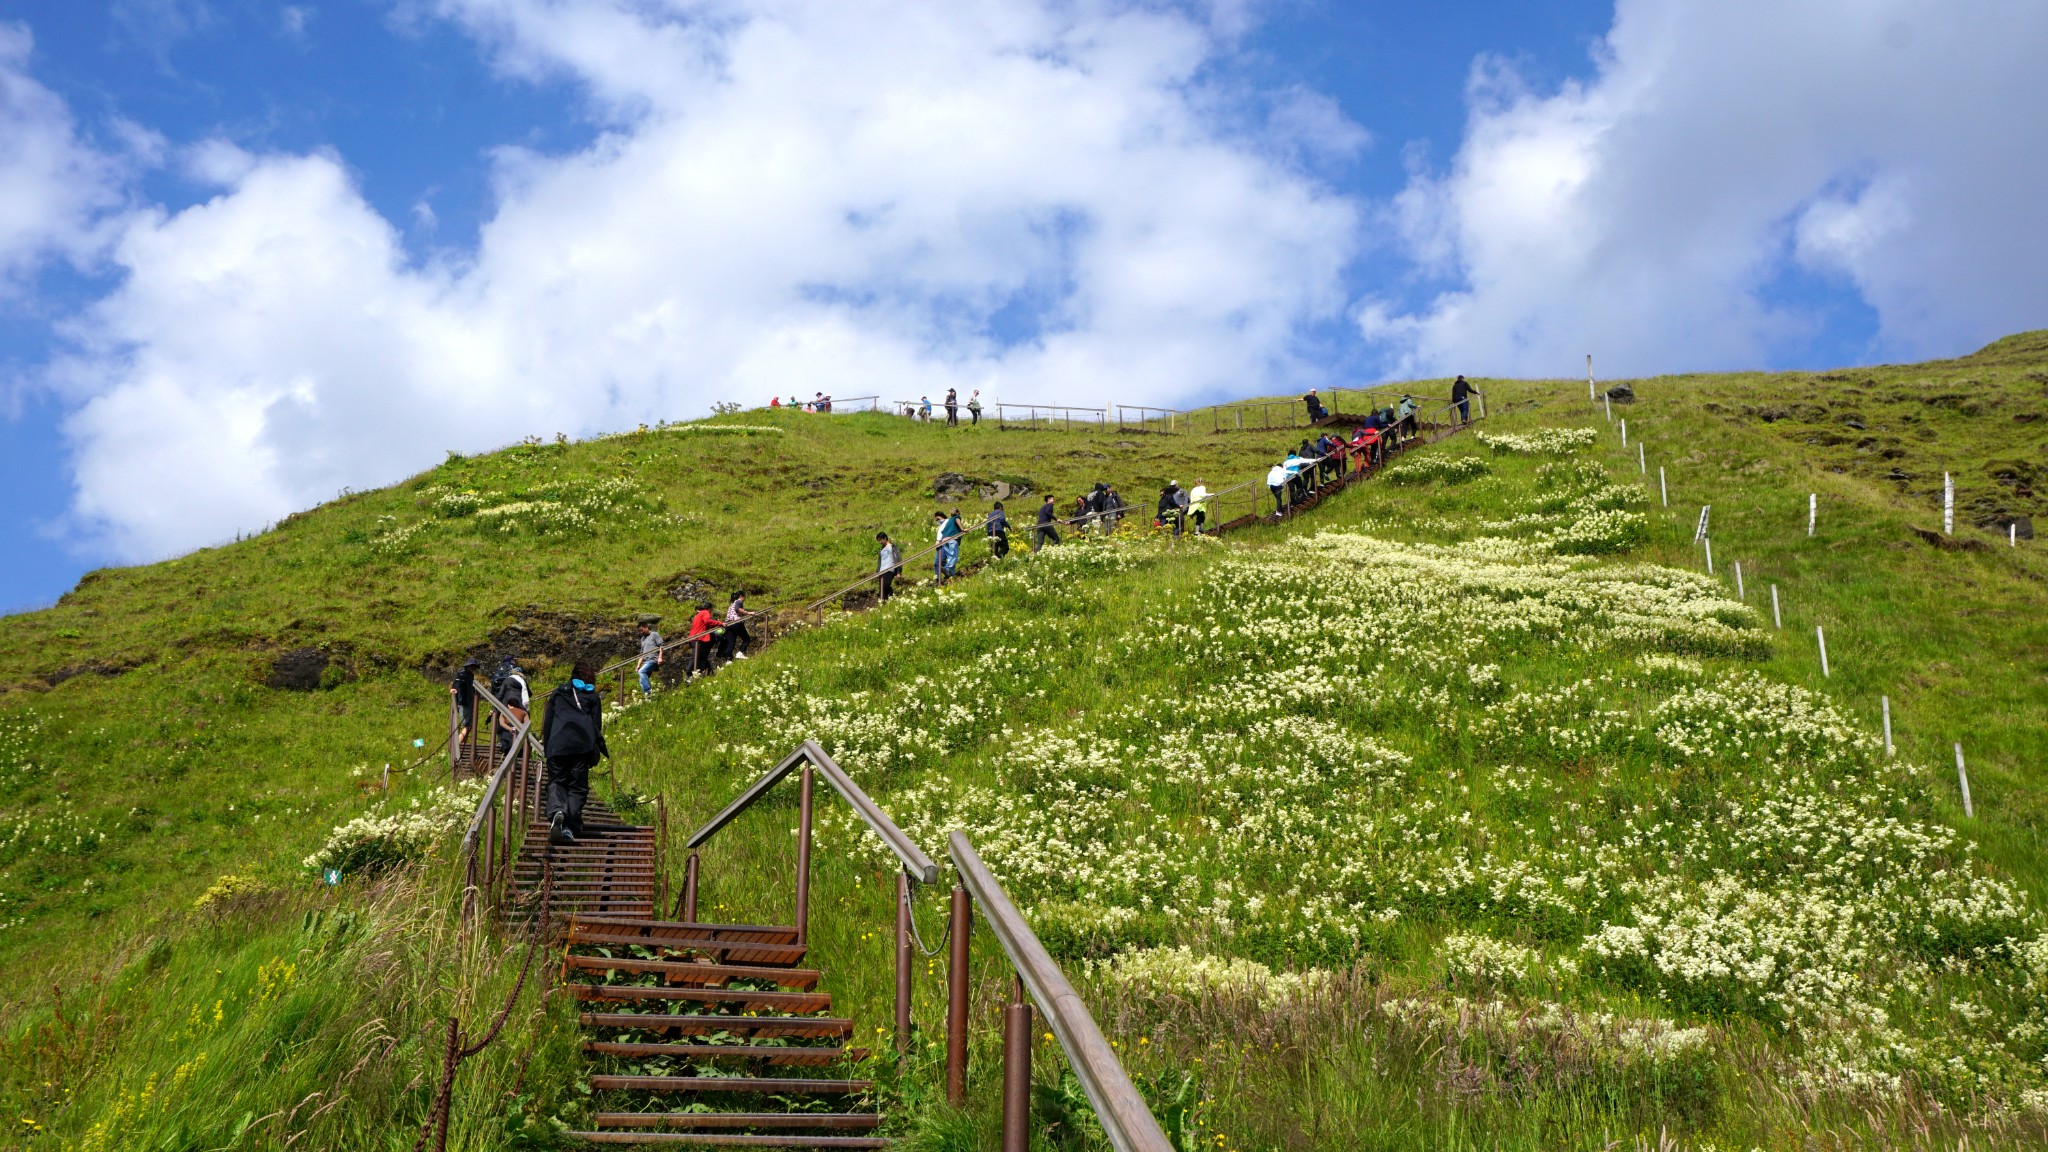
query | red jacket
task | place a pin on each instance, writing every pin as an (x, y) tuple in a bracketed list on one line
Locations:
[(701, 624)]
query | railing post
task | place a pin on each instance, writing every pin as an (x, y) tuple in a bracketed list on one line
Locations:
[(803, 859), (690, 889), (956, 998), (454, 743), (1017, 1072), (906, 960)]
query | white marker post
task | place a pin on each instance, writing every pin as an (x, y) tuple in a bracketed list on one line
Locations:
[(1948, 505), (1963, 778), (1776, 620), (2012, 534), (1643, 462), (1607, 402), (1589, 376), (1812, 511), (1661, 489), (1700, 533), (1823, 638), (1624, 431), (1888, 749), (1739, 593), (1710, 555)]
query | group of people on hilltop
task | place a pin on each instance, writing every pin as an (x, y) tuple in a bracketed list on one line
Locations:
[(922, 410), (819, 402)]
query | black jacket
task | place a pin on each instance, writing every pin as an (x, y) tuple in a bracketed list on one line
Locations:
[(1460, 390), (574, 723)]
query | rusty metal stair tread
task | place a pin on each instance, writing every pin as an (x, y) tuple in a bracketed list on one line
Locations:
[(809, 1027), (765, 1085), (800, 978), (738, 1120), (791, 1002), (728, 1139), (761, 933), (730, 951), (819, 1055)]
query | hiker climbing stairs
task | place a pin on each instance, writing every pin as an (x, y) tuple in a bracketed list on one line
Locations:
[(611, 870), (713, 1035)]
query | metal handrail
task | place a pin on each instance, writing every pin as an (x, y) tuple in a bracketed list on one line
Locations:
[(490, 796), (920, 866), (1129, 1124)]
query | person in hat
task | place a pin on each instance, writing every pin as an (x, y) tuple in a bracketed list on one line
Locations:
[(464, 692)]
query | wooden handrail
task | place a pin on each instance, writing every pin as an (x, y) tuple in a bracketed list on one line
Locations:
[(1129, 1124), (919, 866)]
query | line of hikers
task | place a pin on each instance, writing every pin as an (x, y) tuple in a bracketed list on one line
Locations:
[(922, 410), (571, 734)]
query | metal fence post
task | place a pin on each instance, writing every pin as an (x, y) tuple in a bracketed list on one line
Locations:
[(956, 999), (803, 858), (1017, 1072), (905, 960)]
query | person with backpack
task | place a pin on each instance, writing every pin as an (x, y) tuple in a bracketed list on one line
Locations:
[(651, 657), (889, 565), (1045, 533), (997, 527), (974, 407), (736, 635), (952, 407), (1114, 501), (1461, 395), (572, 737), (1167, 514), (704, 630), (1198, 506), (508, 684), (1097, 509), (1404, 415), (1316, 411), (464, 692)]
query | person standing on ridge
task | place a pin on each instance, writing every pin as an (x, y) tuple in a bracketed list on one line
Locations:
[(997, 527), (974, 407), (736, 635), (924, 409), (1316, 411), (651, 657), (1045, 533), (889, 565), (952, 407), (572, 736), (464, 691), (1461, 395)]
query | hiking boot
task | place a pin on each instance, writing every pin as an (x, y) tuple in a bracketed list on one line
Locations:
[(557, 834), (739, 655)]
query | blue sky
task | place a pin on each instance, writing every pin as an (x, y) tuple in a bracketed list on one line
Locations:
[(272, 250)]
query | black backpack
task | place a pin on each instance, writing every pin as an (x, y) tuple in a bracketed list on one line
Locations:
[(572, 727)]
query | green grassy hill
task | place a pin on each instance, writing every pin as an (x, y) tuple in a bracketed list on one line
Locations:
[(1464, 810)]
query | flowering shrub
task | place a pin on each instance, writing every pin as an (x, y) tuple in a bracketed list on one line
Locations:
[(1155, 972), (1547, 442), (552, 508), (380, 841), (1481, 961), (1449, 469)]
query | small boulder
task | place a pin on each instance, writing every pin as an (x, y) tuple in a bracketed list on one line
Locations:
[(952, 486), (1622, 394)]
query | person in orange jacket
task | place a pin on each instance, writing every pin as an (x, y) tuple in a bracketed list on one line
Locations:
[(703, 627)]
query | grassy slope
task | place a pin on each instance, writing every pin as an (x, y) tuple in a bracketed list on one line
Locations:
[(1950, 624)]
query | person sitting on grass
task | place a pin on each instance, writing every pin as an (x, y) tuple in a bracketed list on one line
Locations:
[(572, 736)]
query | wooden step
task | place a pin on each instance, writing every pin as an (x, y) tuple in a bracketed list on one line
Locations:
[(756, 933), (683, 972), (761, 1084), (808, 1027), (724, 951), (833, 1120), (739, 1000), (728, 1139), (779, 1056)]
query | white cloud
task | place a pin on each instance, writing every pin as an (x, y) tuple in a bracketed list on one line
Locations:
[(792, 195), (52, 185), (1645, 215)]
